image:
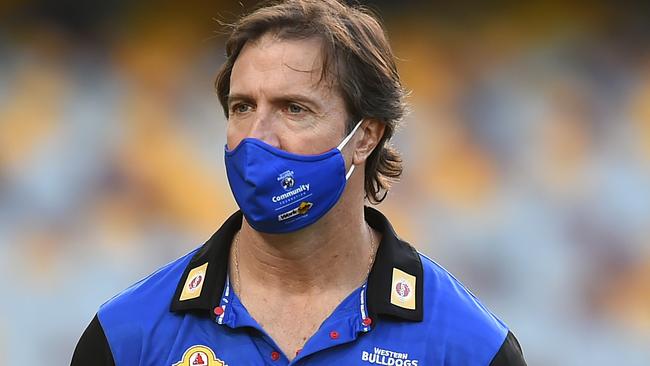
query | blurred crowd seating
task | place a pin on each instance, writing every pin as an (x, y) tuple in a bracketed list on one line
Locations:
[(527, 165)]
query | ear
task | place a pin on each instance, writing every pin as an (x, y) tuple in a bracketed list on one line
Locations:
[(371, 131)]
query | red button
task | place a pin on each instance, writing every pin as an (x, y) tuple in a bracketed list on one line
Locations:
[(218, 311), (367, 321), (334, 334), (275, 355)]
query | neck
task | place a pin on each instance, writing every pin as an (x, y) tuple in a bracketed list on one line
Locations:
[(334, 253)]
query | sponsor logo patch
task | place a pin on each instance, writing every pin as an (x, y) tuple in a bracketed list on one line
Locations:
[(199, 356), (402, 292), (302, 209), (194, 283)]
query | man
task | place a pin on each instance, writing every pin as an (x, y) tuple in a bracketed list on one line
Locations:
[(304, 274)]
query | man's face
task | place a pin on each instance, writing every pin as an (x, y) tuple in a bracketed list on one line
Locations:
[(276, 96)]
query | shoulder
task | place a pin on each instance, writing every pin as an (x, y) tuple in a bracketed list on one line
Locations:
[(459, 319), (152, 293), (448, 297), (128, 317)]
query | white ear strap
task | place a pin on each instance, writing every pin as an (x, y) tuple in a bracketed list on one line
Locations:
[(349, 136), (347, 176), (345, 141)]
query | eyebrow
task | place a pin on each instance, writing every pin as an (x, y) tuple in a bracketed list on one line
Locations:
[(298, 98), (281, 98), (238, 97)]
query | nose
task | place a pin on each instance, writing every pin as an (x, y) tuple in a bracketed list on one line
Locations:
[(263, 128)]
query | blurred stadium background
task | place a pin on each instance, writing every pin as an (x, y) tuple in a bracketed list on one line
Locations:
[(527, 161)]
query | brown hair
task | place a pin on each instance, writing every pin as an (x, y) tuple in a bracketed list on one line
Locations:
[(357, 59)]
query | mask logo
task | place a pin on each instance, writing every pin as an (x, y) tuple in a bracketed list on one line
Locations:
[(199, 356), (286, 180), (302, 209)]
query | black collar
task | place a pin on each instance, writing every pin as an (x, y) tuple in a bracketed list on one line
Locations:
[(392, 253)]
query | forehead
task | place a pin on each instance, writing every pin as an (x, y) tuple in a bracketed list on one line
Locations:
[(293, 65)]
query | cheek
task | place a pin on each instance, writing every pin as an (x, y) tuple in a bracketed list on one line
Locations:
[(316, 141), (234, 136)]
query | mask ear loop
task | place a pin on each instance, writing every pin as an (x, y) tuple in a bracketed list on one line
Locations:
[(347, 176), (345, 141), (349, 136)]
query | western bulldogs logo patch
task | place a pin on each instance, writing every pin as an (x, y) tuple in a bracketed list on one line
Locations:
[(286, 180)]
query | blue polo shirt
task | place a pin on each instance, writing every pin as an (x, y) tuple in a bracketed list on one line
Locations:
[(409, 312)]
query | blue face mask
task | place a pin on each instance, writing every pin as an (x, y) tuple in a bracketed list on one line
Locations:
[(281, 192)]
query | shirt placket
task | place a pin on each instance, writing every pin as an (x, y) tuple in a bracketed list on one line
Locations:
[(233, 314), (345, 325)]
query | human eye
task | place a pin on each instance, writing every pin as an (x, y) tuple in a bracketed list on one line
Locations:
[(294, 108), (240, 108)]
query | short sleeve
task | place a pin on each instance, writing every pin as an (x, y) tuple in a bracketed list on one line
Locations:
[(93, 348), (509, 353)]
